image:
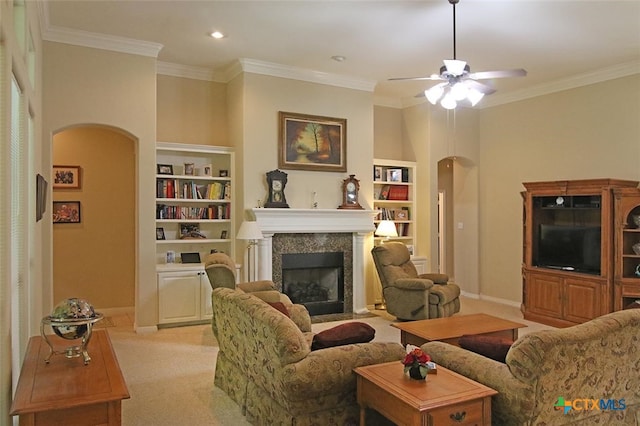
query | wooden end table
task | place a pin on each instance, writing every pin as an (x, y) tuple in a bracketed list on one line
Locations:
[(66, 391), (444, 398), (450, 329)]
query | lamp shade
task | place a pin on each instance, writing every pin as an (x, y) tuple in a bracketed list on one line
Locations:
[(386, 228), (249, 231)]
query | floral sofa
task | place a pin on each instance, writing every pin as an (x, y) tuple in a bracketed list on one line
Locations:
[(266, 365), (549, 374)]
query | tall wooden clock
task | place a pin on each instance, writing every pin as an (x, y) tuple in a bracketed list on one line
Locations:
[(350, 189)]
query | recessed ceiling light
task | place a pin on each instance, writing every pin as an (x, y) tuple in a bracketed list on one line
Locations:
[(217, 35), (339, 58)]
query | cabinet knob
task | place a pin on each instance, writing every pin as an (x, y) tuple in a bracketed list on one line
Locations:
[(458, 417)]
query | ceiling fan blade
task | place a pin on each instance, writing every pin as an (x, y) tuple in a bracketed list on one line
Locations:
[(482, 88), (481, 75), (431, 77)]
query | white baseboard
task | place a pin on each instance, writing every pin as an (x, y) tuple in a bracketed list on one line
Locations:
[(491, 299), (146, 329), (109, 312)]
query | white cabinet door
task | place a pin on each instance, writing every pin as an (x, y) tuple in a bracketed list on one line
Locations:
[(205, 297), (420, 263), (179, 296)]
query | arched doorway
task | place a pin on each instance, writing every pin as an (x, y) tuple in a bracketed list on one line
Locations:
[(458, 221), (94, 255)]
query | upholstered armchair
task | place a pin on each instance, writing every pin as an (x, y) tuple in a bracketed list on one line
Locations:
[(221, 271), (546, 370), (410, 296)]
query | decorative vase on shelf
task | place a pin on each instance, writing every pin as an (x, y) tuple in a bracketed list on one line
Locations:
[(636, 248), (636, 220), (638, 270), (416, 374)]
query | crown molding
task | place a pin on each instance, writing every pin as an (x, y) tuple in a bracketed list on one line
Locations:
[(585, 79), (185, 71), (100, 41), (294, 73), (386, 101)]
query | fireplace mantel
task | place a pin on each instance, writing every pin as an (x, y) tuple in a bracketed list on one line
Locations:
[(359, 223), (314, 220)]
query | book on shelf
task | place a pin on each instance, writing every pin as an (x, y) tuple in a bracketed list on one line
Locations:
[(222, 211), (384, 193), (398, 192), (165, 188), (393, 214)]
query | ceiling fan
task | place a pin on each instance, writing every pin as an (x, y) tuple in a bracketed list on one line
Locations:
[(458, 82)]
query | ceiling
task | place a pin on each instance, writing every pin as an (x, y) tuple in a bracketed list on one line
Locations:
[(560, 43)]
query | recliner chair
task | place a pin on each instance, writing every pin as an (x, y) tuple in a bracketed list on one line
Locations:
[(410, 296), (221, 271)]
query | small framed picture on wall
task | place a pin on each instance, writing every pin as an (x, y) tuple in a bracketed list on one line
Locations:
[(66, 212), (66, 177)]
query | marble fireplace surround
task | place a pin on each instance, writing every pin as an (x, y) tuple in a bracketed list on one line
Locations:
[(358, 223)]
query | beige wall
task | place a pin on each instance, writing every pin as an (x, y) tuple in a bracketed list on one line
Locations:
[(95, 259), (588, 132), (192, 111), (388, 132), (92, 86), (264, 96), (261, 97)]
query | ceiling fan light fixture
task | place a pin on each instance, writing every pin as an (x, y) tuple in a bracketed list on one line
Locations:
[(448, 102), (459, 91), (434, 93), (455, 66)]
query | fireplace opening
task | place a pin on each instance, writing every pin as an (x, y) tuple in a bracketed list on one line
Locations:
[(315, 280)]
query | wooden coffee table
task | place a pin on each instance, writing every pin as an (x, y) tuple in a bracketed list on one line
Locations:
[(66, 391), (444, 398), (450, 329)]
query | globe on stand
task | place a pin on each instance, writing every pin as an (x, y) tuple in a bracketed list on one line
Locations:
[(71, 319)]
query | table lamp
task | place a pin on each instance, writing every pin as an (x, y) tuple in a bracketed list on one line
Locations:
[(386, 229), (250, 231)]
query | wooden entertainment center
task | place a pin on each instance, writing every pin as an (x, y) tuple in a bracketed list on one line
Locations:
[(578, 260)]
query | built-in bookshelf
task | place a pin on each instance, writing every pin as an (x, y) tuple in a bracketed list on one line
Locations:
[(394, 198), (194, 200)]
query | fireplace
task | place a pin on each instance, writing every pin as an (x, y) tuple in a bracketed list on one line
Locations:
[(315, 280), (291, 231)]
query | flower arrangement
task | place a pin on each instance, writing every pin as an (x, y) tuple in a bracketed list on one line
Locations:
[(417, 363)]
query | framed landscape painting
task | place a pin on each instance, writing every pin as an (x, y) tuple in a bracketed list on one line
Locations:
[(312, 142)]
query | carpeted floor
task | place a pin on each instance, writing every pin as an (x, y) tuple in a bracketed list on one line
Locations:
[(170, 373)]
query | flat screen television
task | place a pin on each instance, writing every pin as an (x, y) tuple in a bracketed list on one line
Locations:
[(568, 247)]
